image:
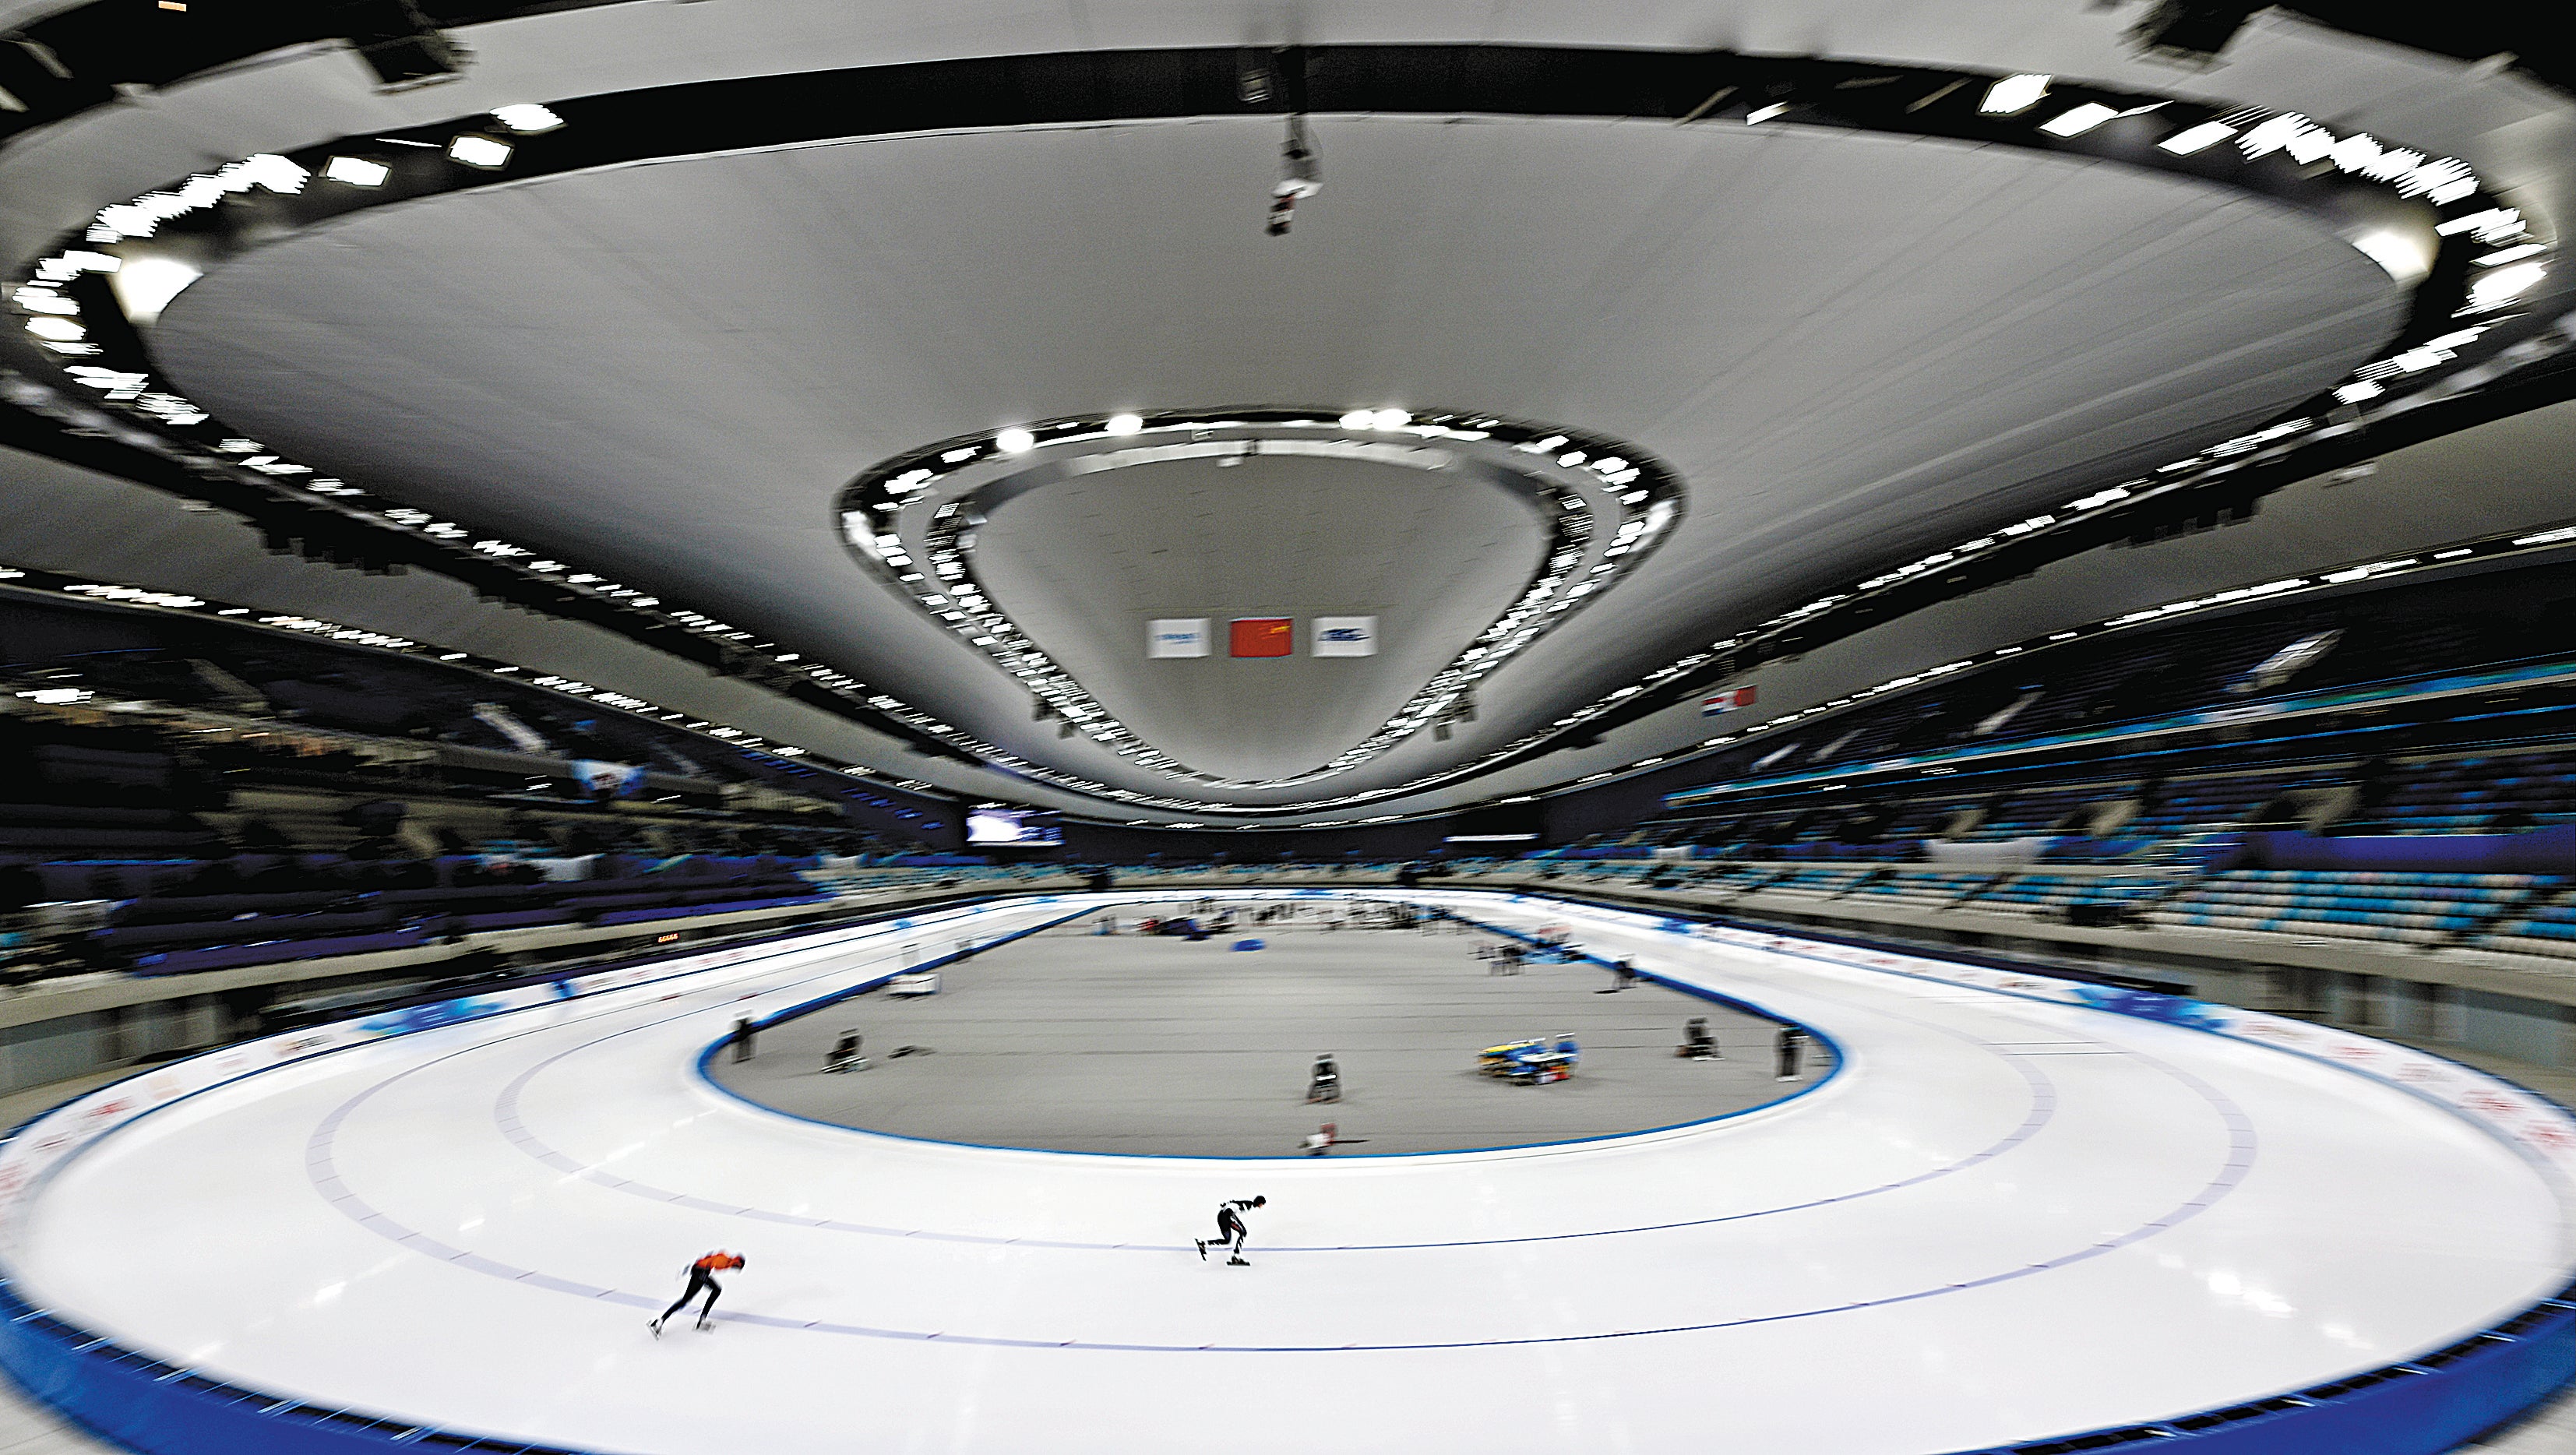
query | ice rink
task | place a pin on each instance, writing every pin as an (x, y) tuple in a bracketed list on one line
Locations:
[(1073, 1041), (2002, 1220)]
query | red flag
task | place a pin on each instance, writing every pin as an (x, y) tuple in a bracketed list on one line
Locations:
[(1262, 636)]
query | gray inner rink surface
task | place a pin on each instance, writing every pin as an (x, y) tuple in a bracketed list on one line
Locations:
[(1153, 1045)]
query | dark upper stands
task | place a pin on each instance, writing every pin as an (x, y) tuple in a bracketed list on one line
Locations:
[(211, 795), (2396, 767)]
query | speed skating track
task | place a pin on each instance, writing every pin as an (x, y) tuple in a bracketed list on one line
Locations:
[(2003, 1218)]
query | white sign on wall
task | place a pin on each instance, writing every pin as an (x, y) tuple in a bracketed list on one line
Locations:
[(1177, 636), (1345, 636)]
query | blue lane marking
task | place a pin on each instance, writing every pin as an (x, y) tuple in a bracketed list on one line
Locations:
[(505, 1114), (321, 1167), (2242, 1145)]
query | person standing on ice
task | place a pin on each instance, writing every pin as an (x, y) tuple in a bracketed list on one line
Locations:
[(1792, 1041), (1230, 1229), (702, 1274)]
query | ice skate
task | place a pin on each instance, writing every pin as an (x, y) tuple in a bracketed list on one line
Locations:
[(1238, 1261), (656, 1326), (706, 1325), (1202, 1250)]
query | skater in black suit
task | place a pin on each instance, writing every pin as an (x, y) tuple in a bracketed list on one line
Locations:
[(1792, 1041), (1230, 1228)]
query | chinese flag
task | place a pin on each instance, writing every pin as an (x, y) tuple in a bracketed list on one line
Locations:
[(1261, 636)]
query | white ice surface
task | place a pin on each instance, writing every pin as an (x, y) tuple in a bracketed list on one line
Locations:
[(2004, 1220)]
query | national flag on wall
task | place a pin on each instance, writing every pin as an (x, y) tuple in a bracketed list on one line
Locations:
[(1727, 701), (1176, 636), (1262, 636), (1342, 636)]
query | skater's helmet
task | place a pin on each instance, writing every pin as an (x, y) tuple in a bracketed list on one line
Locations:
[(1260, 1202)]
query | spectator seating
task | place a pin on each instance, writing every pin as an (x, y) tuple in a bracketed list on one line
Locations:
[(2547, 928), (2418, 909), (1920, 888), (2058, 896)]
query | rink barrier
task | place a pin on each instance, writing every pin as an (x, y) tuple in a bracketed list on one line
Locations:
[(2424, 1405), (969, 950), (707, 1057)]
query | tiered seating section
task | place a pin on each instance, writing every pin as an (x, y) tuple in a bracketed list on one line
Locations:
[(187, 795), (2415, 909), (174, 917), (298, 799), (2409, 757)]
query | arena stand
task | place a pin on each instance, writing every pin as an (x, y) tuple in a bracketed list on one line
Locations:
[(206, 820), (2360, 812)]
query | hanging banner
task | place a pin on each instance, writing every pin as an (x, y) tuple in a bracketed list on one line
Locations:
[(1727, 701), (1176, 636), (608, 780), (1344, 636), (1262, 636)]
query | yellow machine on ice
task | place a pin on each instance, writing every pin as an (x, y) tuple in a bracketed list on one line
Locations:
[(1533, 1062)]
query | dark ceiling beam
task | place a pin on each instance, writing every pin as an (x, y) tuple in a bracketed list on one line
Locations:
[(2200, 506), (314, 531), (1019, 91)]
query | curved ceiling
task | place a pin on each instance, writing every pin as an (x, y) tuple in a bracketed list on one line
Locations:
[(1088, 563), (1851, 348)]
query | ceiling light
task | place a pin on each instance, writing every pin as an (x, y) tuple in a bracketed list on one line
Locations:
[(2394, 165), (2199, 138), (1123, 424), (2403, 257), (146, 286), (2014, 95), (2445, 181), (49, 326), (2355, 152), (477, 150), (1390, 419), (356, 171), (2079, 121), (2499, 287), (2496, 224), (2510, 254), (1763, 114), (1014, 441), (527, 119), (2308, 144)]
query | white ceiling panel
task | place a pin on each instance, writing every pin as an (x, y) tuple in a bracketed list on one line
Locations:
[(1086, 563), (1850, 348)]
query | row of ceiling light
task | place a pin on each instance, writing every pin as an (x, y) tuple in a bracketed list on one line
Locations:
[(479, 150), (56, 323), (120, 594), (945, 586), (2441, 181), (2512, 270), (2516, 266)]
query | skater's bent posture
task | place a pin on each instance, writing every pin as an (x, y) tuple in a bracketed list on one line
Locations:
[(1698, 1042), (1230, 1228), (702, 1274)]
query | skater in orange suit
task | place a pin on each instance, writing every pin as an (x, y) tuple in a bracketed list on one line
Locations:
[(702, 1274)]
